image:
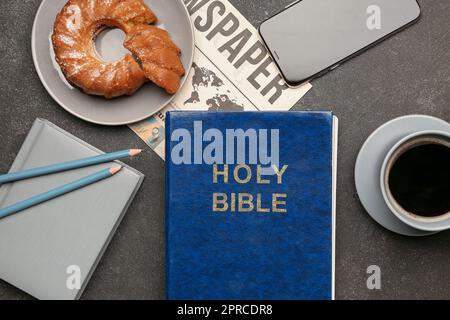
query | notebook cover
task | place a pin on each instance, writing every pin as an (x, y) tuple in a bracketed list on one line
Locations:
[(39, 244), (229, 255)]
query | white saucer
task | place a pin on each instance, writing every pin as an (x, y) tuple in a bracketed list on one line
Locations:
[(370, 160)]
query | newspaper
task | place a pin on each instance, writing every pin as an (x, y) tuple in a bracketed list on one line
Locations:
[(232, 71)]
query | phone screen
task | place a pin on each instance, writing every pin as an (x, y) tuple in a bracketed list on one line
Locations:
[(313, 36)]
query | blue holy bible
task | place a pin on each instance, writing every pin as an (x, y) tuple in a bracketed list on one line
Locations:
[(250, 205)]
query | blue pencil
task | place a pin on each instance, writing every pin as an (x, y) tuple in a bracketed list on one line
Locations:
[(65, 166), (78, 184)]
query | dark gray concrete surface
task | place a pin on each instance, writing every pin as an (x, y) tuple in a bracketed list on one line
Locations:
[(407, 74)]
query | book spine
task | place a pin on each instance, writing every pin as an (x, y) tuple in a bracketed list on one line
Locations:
[(167, 205)]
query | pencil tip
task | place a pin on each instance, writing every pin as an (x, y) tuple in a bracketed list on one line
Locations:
[(135, 152), (115, 169)]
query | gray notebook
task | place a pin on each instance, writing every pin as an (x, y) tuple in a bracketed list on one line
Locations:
[(42, 248)]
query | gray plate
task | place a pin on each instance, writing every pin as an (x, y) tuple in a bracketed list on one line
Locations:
[(370, 160), (125, 110)]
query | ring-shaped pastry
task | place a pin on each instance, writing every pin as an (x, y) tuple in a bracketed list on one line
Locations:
[(75, 29)]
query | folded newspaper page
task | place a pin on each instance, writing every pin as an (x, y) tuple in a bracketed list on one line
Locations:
[(232, 71)]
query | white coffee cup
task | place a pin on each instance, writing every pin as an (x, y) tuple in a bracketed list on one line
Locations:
[(433, 224)]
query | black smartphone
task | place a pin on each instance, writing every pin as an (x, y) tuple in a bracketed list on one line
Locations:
[(311, 37)]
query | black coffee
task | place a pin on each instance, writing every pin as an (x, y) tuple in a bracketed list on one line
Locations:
[(420, 180)]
